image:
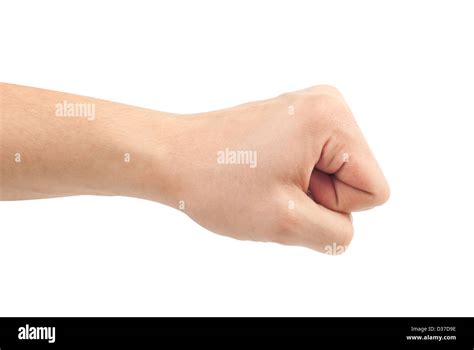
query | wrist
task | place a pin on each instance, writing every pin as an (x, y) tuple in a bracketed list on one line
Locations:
[(139, 163)]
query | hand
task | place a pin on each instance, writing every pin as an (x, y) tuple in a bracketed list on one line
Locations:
[(246, 171)]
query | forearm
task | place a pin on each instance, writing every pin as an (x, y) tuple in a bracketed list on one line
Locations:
[(57, 144)]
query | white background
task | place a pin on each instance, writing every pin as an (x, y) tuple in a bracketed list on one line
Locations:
[(405, 68)]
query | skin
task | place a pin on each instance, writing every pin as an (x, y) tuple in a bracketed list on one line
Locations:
[(313, 167)]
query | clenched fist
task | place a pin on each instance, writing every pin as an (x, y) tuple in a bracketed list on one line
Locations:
[(287, 170)]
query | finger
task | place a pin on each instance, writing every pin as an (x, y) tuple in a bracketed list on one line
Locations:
[(311, 225), (334, 194), (347, 176)]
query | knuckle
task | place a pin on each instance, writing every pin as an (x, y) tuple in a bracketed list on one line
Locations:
[(284, 226), (321, 102), (323, 106), (347, 234), (340, 239), (326, 89)]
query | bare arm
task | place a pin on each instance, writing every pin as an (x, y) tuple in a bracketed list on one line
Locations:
[(242, 172)]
